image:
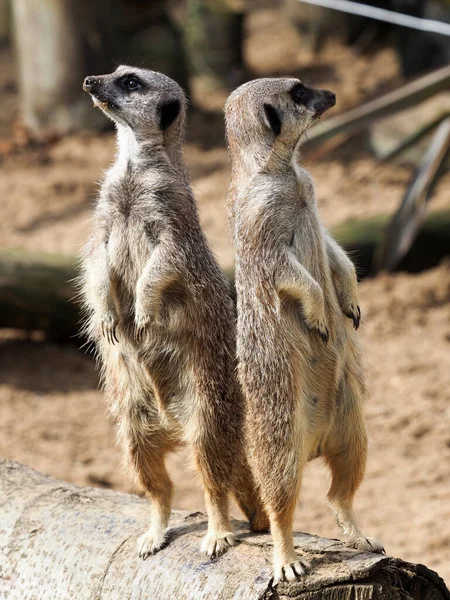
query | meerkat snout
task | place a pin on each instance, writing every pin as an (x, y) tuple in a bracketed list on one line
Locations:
[(316, 99), (146, 101), (88, 83)]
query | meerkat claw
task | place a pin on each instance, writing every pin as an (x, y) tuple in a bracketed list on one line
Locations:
[(108, 327), (321, 329), (323, 333), (140, 326), (150, 544), (293, 571), (367, 545), (354, 316), (214, 546)]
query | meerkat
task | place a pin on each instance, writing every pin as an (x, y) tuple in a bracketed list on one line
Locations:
[(160, 314), (300, 363)]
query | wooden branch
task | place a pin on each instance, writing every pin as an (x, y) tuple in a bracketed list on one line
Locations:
[(411, 215), (412, 139), (61, 541)]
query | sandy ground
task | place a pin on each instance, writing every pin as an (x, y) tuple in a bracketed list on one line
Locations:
[(52, 415)]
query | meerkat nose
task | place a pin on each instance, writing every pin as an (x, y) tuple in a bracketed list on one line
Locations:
[(332, 97), (88, 83)]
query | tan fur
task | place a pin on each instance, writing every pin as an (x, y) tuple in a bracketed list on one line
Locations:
[(299, 359), (159, 312)]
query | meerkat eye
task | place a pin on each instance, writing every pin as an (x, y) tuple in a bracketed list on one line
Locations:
[(273, 119), (131, 83), (301, 94), (169, 111)]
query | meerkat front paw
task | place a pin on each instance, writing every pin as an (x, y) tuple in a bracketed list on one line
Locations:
[(141, 324), (292, 571), (108, 325), (214, 545), (150, 543), (318, 326), (367, 545)]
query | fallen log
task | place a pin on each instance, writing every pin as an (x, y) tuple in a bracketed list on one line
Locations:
[(37, 290), (61, 541), (37, 293)]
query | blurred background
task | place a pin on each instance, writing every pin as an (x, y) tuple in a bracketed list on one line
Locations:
[(380, 164)]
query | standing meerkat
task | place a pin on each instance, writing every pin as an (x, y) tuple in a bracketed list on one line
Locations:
[(299, 358), (159, 311)]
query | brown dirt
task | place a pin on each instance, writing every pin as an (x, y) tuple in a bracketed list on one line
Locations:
[(52, 416)]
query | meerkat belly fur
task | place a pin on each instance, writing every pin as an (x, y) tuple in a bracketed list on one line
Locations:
[(299, 359), (159, 312)]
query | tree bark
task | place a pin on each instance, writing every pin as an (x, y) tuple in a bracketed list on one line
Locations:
[(59, 43), (61, 541)]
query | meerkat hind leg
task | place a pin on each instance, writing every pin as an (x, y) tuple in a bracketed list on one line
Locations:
[(147, 459), (210, 464), (280, 478), (346, 454), (220, 536), (288, 566), (159, 489)]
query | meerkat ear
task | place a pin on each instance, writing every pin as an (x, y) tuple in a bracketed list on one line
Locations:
[(273, 119), (168, 112)]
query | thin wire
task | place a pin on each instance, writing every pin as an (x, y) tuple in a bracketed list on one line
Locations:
[(381, 14)]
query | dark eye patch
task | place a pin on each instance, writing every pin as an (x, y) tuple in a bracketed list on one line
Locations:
[(273, 118), (130, 83), (169, 111), (301, 94)]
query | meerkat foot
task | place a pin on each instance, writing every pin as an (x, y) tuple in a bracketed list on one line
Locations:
[(214, 545), (109, 328), (366, 545), (292, 571), (353, 312), (150, 543)]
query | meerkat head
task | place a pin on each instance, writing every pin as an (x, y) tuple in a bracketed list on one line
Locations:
[(150, 103), (265, 114)]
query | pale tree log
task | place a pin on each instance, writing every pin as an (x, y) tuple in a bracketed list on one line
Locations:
[(64, 542)]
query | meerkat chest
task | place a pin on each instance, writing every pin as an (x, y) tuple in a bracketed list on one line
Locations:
[(134, 224), (307, 243), (127, 247), (130, 243)]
